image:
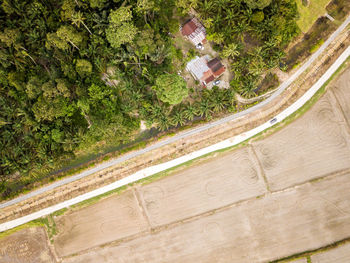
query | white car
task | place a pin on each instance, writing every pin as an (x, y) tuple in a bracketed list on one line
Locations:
[(200, 46), (216, 82)]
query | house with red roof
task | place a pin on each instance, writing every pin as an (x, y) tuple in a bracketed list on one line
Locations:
[(205, 70), (194, 31)]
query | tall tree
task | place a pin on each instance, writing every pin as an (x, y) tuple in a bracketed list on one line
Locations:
[(171, 88), (77, 19), (121, 29), (257, 4)]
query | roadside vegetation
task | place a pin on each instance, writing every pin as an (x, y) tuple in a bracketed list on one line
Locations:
[(316, 32), (79, 75), (310, 10)]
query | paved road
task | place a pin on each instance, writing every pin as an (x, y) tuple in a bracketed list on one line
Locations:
[(184, 134), (164, 166)]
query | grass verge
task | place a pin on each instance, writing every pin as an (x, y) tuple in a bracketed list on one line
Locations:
[(307, 254), (310, 13)]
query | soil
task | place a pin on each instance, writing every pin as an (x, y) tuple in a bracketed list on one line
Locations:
[(108, 220), (311, 147), (206, 186), (230, 207), (339, 254), (28, 245), (259, 230)]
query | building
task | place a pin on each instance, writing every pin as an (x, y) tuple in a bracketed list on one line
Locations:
[(205, 70), (195, 32)]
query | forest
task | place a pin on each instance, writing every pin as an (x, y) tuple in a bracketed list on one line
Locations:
[(74, 73)]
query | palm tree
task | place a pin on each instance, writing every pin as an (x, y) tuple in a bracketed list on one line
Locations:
[(77, 19), (164, 122), (249, 87), (218, 99), (178, 118), (248, 13), (240, 29), (231, 97), (231, 14), (204, 108), (232, 50), (207, 6), (190, 111)]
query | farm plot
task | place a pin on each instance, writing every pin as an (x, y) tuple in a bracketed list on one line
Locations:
[(209, 185), (28, 245), (341, 90), (335, 255), (313, 146), (277, 225), (108, 220)]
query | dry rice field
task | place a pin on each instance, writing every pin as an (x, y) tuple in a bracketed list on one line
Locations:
[(28, 245), (277, 197), (259, 230)]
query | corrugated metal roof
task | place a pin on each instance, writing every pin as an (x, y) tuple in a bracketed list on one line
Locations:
[(197, 37), (189, 28), (197, 67)]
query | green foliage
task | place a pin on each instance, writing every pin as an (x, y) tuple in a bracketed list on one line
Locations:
[(171, 88), (232, 50), (69, 35), (83, 67), (186, 5), (257, 4), (316, 46), (75, 75), (305, 2), (257, 17), (254, 37), (97, 3), (120, 30)]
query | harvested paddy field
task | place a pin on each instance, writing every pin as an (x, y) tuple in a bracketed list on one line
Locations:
[(28, 245), (335, 255), (341, 91), (259, 230), (210, 185), (111, 219), (313, 146)]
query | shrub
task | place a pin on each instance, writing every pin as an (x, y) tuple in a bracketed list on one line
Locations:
[(316, 46)]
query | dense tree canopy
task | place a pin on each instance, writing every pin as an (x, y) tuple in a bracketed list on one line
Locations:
[(171, 88), (254, 35), (74, 73), (257, 4)]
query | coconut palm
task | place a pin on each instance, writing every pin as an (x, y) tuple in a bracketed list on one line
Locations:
[(190, 111), (77, 19), (178, 118), (232, 50), (205, 109)]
